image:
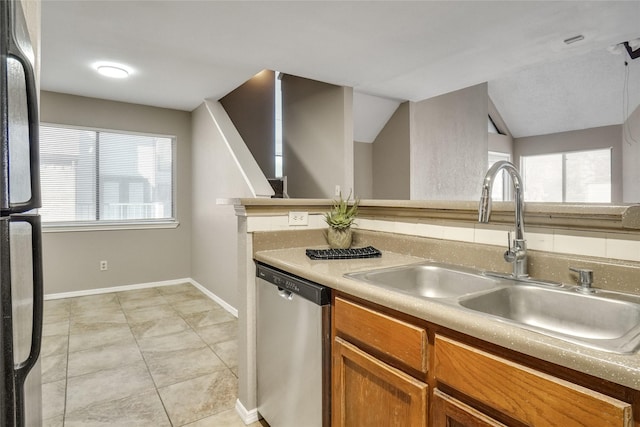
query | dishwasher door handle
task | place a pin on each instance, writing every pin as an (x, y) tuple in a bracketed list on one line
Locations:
[(288, 295)]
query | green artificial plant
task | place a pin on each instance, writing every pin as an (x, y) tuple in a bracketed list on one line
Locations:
[(342, 215)]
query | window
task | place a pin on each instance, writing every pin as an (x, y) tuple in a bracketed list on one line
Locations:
[(578, 177), (278, 125), (96, 176), (491, 126), (501, 189)]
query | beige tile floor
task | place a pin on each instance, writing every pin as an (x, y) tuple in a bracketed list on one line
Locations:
[(162, 356)]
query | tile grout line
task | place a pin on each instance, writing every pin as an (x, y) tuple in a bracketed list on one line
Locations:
[(66, 371), (146, 364), (70, 316)]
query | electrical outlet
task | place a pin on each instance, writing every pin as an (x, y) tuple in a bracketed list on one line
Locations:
[(298, 218), (104, 266), (337, 191)]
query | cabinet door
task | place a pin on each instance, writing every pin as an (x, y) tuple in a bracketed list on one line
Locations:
[(368, 392), (524, 394), (449, 412)]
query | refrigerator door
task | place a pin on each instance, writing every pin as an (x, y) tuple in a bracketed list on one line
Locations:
[(19, 161), (27, 307), (22, 316)]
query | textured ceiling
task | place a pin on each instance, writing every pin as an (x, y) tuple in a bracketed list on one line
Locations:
[(590, 90), (182, 52)]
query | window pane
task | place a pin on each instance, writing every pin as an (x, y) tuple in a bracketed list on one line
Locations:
[(491, 127), (589, 176), (135, 177), (67, 174), (500, 190), (542, 176), (278, 127), (127, 177), (278, 166)]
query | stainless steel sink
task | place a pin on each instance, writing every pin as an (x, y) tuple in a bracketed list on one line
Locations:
[(429, 280), (608, 321), (596, 321)]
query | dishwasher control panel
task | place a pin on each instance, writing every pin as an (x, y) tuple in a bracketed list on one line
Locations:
[(309, 290)]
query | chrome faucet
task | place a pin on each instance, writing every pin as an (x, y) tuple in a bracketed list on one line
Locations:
[(516, 252)]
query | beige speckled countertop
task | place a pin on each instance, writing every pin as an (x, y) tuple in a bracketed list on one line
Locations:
[(617, 368)]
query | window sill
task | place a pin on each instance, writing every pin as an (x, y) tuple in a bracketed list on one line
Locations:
[(62, 227)]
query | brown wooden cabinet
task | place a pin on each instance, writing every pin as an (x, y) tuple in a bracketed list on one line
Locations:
[(520, 393), (399, 343), (379, 367), (390, 369), (368, 392), (449, 412)]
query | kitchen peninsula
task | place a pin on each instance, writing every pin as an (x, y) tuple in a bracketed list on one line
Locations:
[(602, 238)]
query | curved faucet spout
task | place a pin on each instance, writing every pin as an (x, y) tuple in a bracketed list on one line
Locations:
[(518, 253)]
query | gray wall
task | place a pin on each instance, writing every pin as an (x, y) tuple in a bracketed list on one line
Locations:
[(586, 139), (501, 143), (317, 137), (71, 259), (216, 176), (449, 144), (363, 169), (631, 158), (390, 157), (251, 108)]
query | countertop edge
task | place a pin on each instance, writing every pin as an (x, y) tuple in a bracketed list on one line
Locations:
[(623, 218), (623, 369)]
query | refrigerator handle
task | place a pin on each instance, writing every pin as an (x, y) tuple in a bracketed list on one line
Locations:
[(23, 369), (34, 127)]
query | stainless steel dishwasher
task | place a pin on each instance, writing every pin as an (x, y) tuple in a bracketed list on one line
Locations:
[(293, 349)]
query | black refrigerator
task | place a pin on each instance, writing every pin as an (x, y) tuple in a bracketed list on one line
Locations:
[(21, 290)]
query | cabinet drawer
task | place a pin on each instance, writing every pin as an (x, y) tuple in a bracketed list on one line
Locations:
[(531, 397), (391, 337)]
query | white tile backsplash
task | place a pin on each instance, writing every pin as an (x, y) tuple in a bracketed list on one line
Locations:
[(258, 223), (408, 228), (430, 230), (609, 245), (626, 249), (539, 241), (490, 236), (461, 234), (580, 245)]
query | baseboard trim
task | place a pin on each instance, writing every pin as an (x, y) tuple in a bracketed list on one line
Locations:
[(122, 288), (246, 416), (228, 307), (231, 309)]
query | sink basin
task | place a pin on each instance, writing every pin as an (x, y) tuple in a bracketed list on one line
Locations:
[(429, 280), (602, 323), (608, 321)]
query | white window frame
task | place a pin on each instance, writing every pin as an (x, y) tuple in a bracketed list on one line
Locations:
[(103, 225), (279, 154), (563, 155)]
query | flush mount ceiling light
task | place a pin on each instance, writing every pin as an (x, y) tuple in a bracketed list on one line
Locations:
[(115, 71), (574, 39)]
